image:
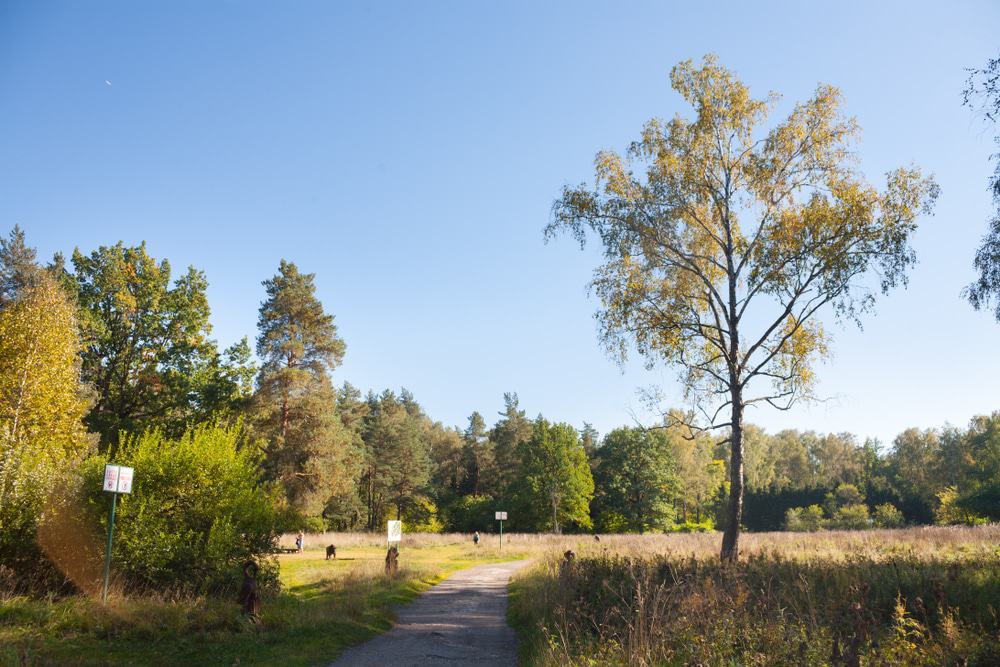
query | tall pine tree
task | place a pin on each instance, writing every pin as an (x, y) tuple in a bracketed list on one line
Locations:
[(396, 461), (309, 450), (480, 474), (506, 437)]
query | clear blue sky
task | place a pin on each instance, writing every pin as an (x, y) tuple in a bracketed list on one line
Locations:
[(408, 153)]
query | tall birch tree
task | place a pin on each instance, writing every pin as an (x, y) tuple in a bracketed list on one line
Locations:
[(723, 243)]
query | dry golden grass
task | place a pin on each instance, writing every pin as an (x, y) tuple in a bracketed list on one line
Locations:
[(919, 596), (832, 544)]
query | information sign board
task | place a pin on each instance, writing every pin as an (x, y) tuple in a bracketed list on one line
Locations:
[(395, 531)]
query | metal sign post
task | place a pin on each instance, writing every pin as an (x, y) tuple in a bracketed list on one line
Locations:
[(117, 479), (501, 517)]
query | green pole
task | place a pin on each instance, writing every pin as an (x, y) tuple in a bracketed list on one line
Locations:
[(501, 535), (107, 554)]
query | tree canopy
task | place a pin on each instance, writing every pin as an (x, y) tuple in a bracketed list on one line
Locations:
[(982, 93), (722, 243)]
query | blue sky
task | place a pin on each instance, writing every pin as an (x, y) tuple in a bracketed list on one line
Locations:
[(409, 153)]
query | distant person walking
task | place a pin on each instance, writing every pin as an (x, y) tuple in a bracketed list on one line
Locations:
[(475, 538), (300, 540)]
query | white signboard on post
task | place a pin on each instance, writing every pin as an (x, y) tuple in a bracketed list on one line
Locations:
[(501, 516), (111, 478), (118, 479), (395, 531), (125, 479)]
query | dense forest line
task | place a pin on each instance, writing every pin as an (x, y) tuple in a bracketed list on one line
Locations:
[(136, 344)]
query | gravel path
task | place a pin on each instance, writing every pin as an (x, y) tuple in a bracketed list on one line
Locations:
[(461, 621)]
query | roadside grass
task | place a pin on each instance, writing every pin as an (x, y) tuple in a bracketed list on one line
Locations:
[(324, 607)]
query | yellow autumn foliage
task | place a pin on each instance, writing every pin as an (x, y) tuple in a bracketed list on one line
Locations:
[(41, 406)]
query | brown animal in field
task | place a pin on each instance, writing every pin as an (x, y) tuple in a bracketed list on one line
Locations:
[(566, 566), (392, 561), (331, 551), (249, 595), (597, 538)]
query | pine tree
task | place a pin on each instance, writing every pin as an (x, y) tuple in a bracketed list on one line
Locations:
[(507, 436), (309, 450), (480, 464), (18, 268), (397, 462)]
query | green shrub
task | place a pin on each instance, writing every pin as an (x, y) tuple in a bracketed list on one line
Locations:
[(951, 511), (851, 517), (804, 519), (198, 509), (842, 496), (888, 516), (27, 476), (705, 526), (312, 524)]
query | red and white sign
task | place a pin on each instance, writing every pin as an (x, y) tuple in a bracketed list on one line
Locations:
[(111, 478), (118, 479), (125, 479)]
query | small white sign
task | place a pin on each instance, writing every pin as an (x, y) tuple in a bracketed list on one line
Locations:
[(395, 531), (118, 479), (501, 516), (111, 478), (125, 479)]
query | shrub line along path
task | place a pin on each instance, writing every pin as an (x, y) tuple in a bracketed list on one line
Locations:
[(461, 621)]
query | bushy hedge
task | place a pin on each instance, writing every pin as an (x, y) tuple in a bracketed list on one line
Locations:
[(198, 509)]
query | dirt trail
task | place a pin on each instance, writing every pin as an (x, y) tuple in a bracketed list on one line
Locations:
[(461, 621)]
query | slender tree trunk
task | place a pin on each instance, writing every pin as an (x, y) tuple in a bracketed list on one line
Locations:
[(731, 537), (285, 391), (642, 514), (734, 515), (284, 417), (371, 500), (555, 515)]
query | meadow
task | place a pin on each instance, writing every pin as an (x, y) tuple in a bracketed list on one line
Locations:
[(920, 596), (911, 596)]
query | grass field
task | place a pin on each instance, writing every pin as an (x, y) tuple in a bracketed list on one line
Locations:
[(324, 606), (915, 596), (927, 596)]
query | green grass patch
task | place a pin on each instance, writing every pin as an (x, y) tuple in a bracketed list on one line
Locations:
[(324, 607)]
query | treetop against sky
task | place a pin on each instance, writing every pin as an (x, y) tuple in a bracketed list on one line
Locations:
[(409, 156)]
